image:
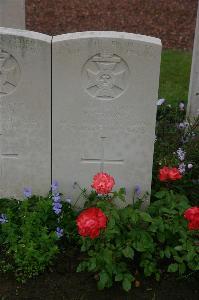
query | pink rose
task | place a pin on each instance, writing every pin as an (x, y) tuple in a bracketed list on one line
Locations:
[(103, 183)]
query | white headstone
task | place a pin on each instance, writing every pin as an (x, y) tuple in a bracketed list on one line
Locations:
[(12, 13), (25, 112), (105, 87), (193, 99)]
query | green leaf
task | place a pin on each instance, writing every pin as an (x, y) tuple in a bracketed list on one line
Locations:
[(157, 276), (122, 191), (119, 277), (134, 217), (167, 252), (161, 253), (107, 255), (182, 268), (111, 223), (178, 258), (82, 266), (173, 268), (146, 217), (92, 264), (160, 194), (178, 248), (128, 252), (104, 279), (127, 282)]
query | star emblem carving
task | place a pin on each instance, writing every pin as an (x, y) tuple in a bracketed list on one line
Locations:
[(107, 76)]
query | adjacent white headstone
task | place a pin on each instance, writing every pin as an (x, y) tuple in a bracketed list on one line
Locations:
[(25, 112), (193, 101), (12, 13), (105, 87)]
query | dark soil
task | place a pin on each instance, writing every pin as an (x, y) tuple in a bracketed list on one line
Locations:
[(173, 21), (62, 282)]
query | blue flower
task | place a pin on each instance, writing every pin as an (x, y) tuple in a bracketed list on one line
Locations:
[(57, 207), (57, 210), (181, 154), (54, 185), (27, 192), (138, 190), (160, 102), (181, 106), (59, 232), (3, 219), (182, 168), (56, 197)]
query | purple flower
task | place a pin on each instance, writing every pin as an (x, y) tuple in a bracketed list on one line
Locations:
[(56, 197), (160, 102), (183, 125), (137, 190), (54, 185), (57, 207), (182, 168), (181, 106), (27, 192), (181, 154), (59, 232), (57, 211), (190, 166), (3, 219)]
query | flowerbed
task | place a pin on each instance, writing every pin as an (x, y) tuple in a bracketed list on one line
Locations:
[(117, 244)]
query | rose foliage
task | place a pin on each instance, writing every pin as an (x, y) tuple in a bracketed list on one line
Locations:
[(133, 241)]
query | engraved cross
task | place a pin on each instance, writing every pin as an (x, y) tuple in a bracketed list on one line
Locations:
[(102, 160)]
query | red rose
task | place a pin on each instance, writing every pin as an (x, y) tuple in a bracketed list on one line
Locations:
[(163, 173), (103, 183), (192, 215), (194, 225), (174, 174), (169, 174), (90, 221)]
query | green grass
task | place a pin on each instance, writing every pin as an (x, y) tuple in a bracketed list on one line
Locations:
[(175, 75)]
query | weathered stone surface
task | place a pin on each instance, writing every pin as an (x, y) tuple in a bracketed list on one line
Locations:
[(12, 13), (25, 112), (193, 101), (105, 87)]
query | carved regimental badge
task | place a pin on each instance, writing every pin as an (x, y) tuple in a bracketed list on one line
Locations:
[(105, 76), (9, 73)]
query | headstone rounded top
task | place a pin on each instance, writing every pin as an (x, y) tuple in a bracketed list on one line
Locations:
[(107, 34), (25, 33)]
